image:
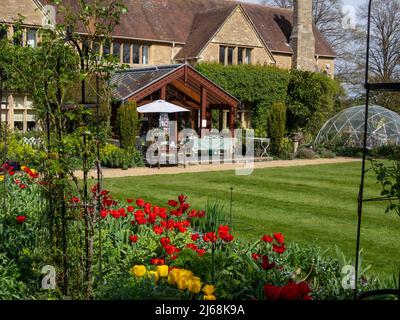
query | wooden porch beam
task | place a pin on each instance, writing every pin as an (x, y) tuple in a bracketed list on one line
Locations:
[(203, 100), (186, 90), (163, 94)]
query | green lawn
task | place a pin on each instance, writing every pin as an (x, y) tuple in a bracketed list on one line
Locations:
[(309, 204)]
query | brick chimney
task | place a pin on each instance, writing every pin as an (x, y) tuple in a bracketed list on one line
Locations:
[(302, 38)]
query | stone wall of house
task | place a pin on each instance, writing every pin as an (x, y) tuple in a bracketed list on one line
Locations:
[(160, 54), (210, 53), (283, 60), (326, 64), (10, 9), (236, 32)]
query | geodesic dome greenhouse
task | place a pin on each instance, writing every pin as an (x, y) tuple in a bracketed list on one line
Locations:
[(347, 128)]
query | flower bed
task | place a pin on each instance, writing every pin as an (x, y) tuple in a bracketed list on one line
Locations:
[(163, 252)]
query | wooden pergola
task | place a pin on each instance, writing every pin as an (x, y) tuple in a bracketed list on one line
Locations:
[(183, 86)]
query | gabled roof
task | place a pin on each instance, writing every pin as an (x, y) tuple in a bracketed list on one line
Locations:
[(139, 82), (201, 33)]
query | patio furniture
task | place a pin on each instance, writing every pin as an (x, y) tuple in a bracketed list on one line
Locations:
[(264, 144), (211, 145)]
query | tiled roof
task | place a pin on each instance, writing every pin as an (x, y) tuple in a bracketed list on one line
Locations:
[(192, 21), (201, 32), (127, 82)]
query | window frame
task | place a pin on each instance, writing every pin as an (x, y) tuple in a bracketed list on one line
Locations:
[(28, 32), (143, 55), (114, 45), (222, 53), (248, 55), (136, 53), (124, 52), (240, 56), (230, 56)]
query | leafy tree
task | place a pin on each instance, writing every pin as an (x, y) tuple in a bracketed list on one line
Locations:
[(128, 124), (311, 99)]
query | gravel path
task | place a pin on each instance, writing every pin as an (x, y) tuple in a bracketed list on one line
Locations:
[(116, 173)]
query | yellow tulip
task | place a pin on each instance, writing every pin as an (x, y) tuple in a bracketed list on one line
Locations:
[(139, 270), (23, 168), (173, 276), (162, 271), (185, 273), (154, 275), (195, 285), (209, 297), (182, 278), (208, 290), (1, 178), (33, 171), (183, 283)]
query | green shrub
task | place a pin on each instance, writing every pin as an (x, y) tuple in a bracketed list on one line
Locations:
[(325, 153), (22, 153), (311, 99), (114, 157), (286, 149), (276, 126), (11, 286), (305, 153), (128, 124)]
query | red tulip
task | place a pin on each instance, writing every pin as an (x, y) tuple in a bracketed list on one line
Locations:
[(20, 219), (267, 238), (133, 238), (158, 229), (279, 249), (194, 237), (279, 237), (172, 203), (165, 241)]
